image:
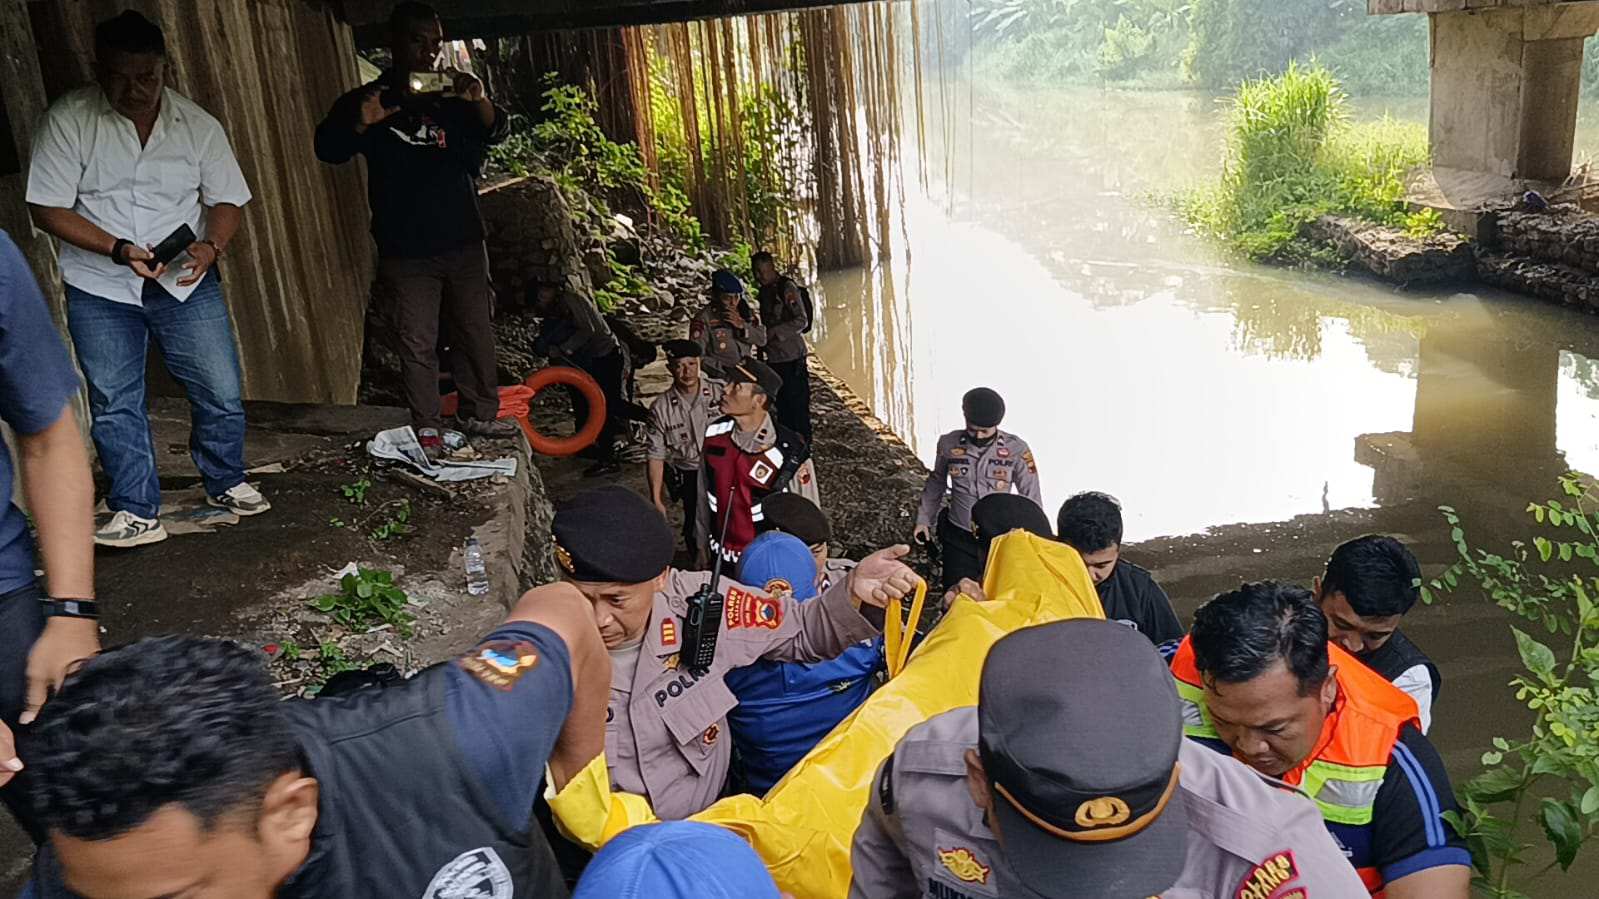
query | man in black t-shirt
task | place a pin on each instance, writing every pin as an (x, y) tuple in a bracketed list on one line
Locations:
[(169, 767), (424, 145), (1091, 523), (1371, 582)]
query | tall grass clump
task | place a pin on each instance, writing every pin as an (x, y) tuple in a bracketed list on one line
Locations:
[(1294, 155)]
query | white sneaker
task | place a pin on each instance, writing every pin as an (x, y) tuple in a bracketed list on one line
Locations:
[(242, 500), (126, 529)]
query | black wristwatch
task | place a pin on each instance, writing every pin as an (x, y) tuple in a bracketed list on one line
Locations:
[(71, 608), (116, 250)]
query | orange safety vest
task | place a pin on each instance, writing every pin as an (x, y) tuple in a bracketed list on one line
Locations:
[(1345, 770)]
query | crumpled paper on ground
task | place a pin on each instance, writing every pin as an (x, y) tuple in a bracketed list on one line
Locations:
[(401, 445)]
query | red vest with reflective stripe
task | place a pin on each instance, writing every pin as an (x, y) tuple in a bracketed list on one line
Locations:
[(1344, 771), (749, 477)]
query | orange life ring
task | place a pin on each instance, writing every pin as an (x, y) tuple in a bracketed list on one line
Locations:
[(589, 388)]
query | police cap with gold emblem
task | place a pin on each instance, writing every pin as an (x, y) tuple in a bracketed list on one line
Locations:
[(1079, 728), (611, 534), (997, 514)]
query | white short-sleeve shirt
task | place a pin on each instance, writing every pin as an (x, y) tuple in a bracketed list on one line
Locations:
[(87, 158)]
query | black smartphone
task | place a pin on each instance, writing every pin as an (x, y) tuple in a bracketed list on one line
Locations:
[(174, 245)]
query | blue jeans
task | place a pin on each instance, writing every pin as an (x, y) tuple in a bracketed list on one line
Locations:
[(195, 339)]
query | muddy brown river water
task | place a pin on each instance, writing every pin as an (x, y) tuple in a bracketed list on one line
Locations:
[(1249, 418)]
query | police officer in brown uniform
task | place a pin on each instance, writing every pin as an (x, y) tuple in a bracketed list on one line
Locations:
[(1080, 785), (666, 726), (728, 327), (970, 464), (678, 419)]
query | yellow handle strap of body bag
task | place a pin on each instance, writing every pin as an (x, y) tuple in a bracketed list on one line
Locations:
[(898, 634)]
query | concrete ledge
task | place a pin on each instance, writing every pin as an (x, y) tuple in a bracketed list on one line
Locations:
[(1394, 256)]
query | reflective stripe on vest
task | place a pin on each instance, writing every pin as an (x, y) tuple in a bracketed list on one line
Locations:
[(1345, 776)]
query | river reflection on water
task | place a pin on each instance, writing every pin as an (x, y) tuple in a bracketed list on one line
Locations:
[(1138, 359), (1204, 392)]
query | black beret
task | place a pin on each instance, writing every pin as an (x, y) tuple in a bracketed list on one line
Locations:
[(682, 349), (794, 514), (997, 514), (611, 534), (983, 408)]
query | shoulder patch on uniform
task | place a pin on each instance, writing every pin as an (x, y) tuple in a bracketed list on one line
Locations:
[(885, 786), (717, 428), (751, 610), (1032, 466), (1265, 879), (668, 632), (500, 663)]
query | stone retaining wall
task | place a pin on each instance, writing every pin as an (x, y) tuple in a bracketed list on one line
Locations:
[(1564, 235), (531, 238), (1393, 255)]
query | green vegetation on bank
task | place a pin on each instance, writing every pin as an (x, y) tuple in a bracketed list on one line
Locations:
[(1546, 778), (1292, 156)]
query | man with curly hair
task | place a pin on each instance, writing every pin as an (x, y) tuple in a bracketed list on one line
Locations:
[(170, 767)]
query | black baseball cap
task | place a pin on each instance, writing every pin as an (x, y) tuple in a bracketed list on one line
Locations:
[(753, 371), (1079, 727)]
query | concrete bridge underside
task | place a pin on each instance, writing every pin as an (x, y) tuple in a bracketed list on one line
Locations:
[(1506, 75), (492, 18)]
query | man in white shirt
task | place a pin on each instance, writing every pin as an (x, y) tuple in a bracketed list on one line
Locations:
[(117, 167)]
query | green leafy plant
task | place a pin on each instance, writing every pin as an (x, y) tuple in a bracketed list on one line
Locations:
[(355, 491), (1549, 775), (1292, 156), (335, 521), (328, 660), (393, 524), (367, 599)]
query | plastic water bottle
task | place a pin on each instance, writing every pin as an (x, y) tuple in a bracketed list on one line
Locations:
[(477, 575)]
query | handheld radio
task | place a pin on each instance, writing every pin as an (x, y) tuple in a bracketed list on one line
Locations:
[(703, 619)]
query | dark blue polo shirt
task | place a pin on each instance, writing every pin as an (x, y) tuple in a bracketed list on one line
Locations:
[(37, 381)]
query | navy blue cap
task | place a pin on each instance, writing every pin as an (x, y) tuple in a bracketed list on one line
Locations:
[(724, 281)]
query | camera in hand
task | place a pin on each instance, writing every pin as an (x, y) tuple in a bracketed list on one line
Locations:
[(436, 83)]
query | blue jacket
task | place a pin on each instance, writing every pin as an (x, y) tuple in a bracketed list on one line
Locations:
[(785, 708)]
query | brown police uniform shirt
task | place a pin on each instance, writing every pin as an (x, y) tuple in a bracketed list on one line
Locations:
[(1248, 838), (666, 728), (968, 472), (725, 346), (761, 441), (678, 423)]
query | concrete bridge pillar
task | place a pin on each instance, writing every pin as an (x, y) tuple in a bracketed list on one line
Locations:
[(1505, 79)]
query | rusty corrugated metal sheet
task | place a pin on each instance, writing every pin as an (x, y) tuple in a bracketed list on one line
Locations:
[(297, 277)]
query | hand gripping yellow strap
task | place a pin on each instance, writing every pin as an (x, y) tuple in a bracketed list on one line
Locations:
[(898, 633)]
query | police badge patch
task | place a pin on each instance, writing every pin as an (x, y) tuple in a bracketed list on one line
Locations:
[(474, 874), (500, 663)]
